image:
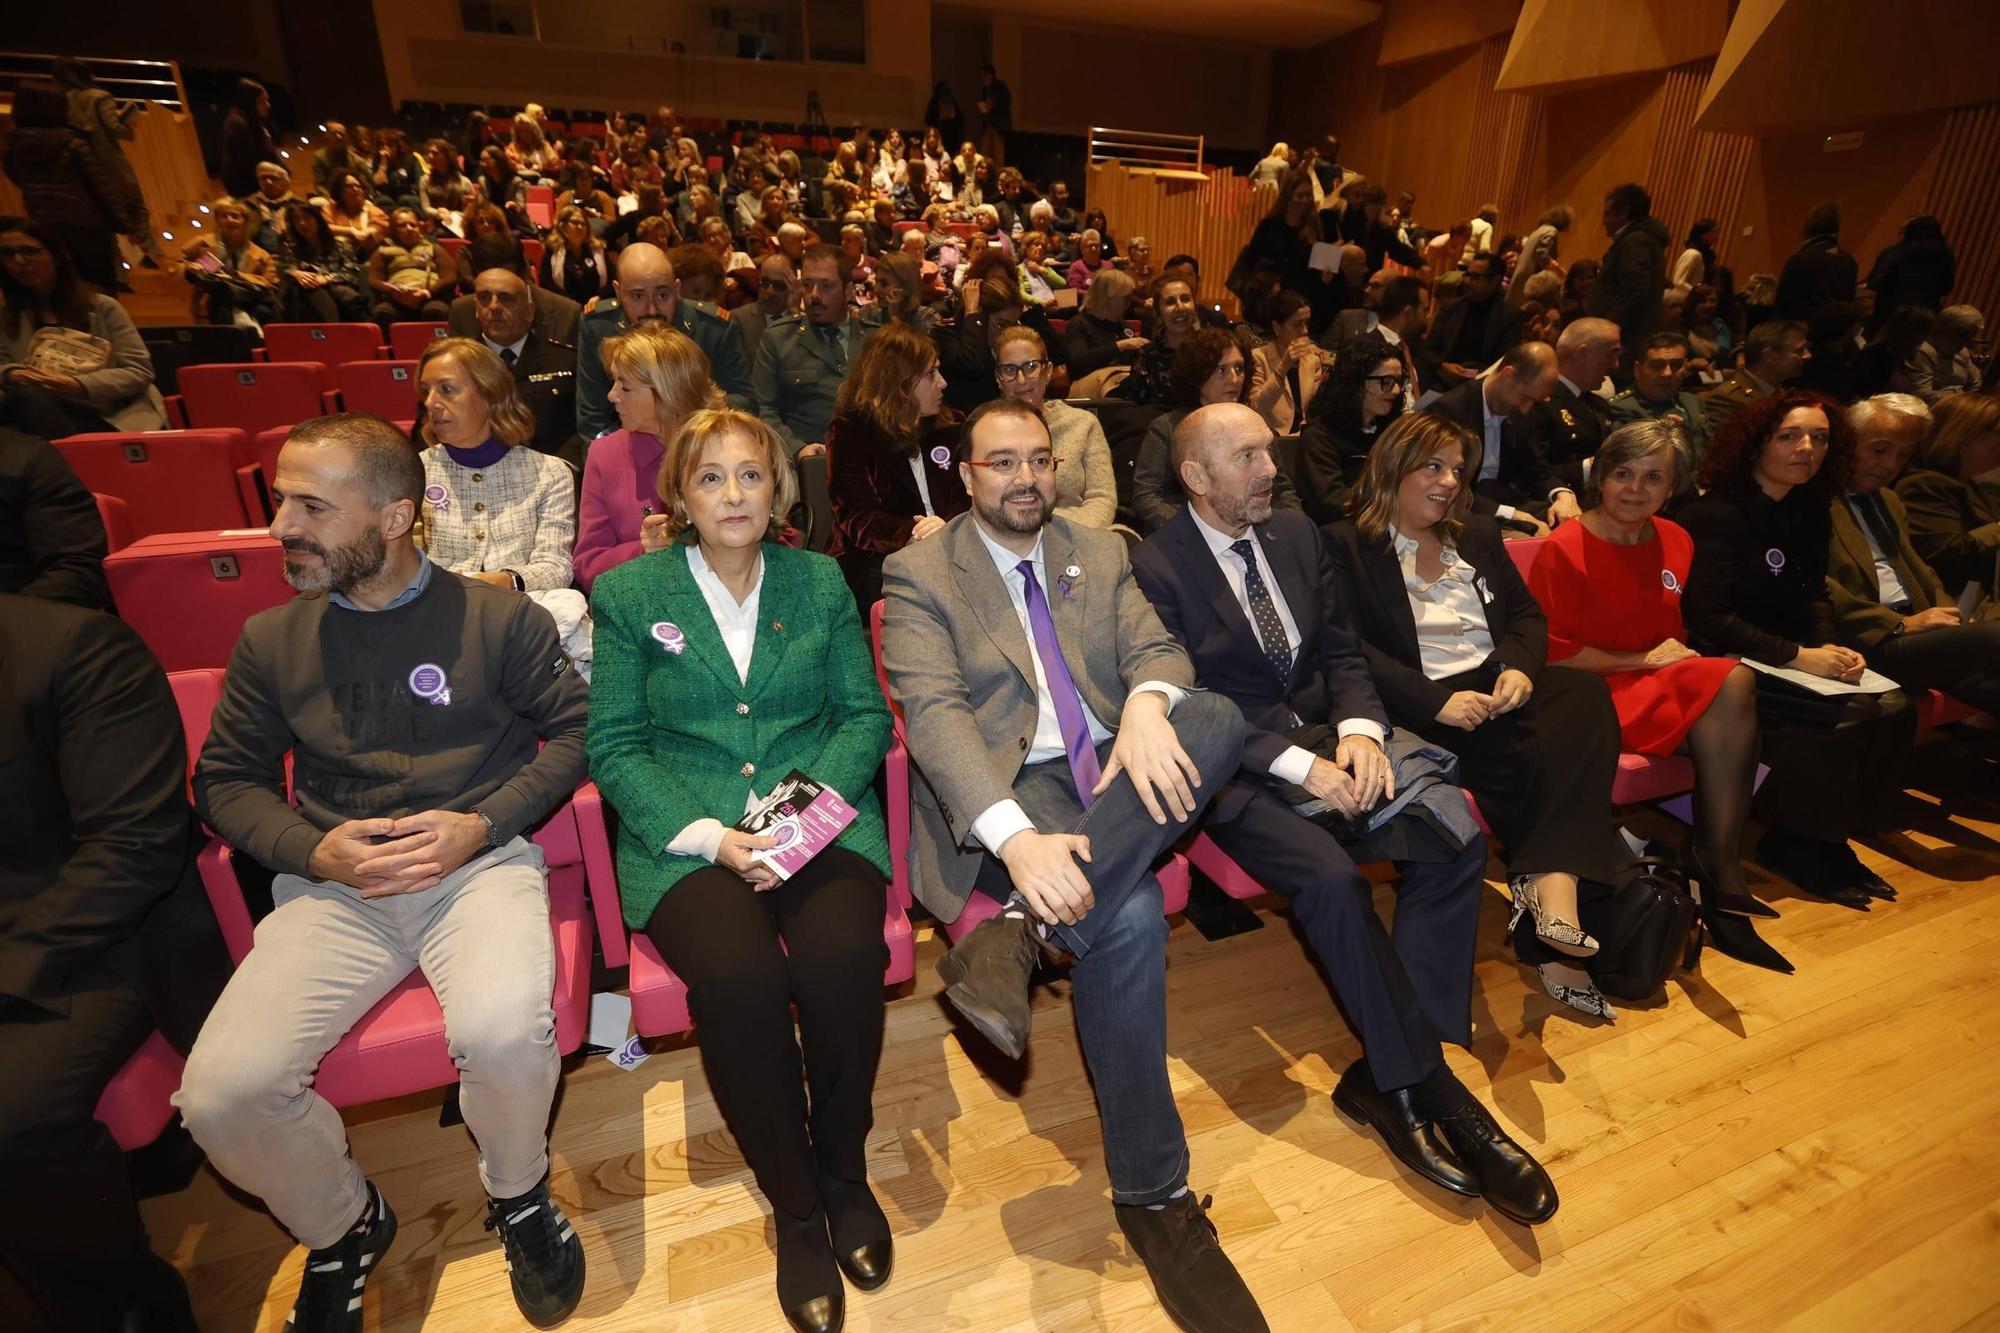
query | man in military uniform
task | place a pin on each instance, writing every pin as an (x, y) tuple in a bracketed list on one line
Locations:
[(647, 289), (777, 293), (555, 316), (1575, 420), (1773, 355), (803, 358), (544, 369), (1656, 390)]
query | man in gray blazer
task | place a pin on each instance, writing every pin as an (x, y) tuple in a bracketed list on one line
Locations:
[(1033, 675)]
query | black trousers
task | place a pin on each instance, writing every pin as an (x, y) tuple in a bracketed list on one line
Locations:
[(1542, 774), (1960, 660), (71, 1242), (35, 411), (1404, 993), (748, 957), (1834, 760)]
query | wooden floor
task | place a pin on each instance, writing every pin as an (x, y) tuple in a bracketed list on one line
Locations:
[(1820, 1151)]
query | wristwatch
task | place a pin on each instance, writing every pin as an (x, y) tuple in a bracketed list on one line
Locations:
[(520, 584), (493, 838)]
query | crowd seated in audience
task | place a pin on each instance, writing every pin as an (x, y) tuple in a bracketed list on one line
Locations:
[(1773, 356), (1952, 492), (1362, 395), (1086, 492), (1658, 369), (320, 275), (412, 278), (1209, 368), (234, 279), (1285, 373), (1514, 481), (1944, 364)]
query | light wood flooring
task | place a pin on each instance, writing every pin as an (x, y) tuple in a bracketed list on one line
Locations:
[(1819, 1151)]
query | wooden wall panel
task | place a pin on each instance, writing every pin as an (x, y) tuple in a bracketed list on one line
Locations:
[(1211, 220), (1965, 199), (1416, 29), (1485, 130)]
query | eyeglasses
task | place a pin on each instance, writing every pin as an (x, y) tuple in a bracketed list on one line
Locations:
[(29, 251), (1008, 466), (1386, 381), (1009, 371)]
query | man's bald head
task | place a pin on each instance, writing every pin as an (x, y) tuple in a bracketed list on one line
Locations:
[(645, 284), (1222, 453), (1587, 350), (1525, 375)]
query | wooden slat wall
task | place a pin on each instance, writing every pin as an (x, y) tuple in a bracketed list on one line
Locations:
[(1695, 174), (1965, 198), (1211, 220), (1488, 163)]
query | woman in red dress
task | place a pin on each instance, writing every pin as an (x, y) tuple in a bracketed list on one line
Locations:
[(1610, 585)]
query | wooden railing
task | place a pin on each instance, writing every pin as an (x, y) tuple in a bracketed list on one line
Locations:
[(1209, 216), (1144, 150)]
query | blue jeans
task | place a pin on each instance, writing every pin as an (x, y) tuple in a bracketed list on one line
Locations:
[(1119, 980)]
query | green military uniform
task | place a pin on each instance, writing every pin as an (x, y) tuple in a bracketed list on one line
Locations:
[(710, 332), (1629, 406), (1737, 391), (798, 373)]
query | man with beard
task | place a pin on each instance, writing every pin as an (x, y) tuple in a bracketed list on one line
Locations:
[(1057, 753), (411, 701), (1248, 590), (802, 358)]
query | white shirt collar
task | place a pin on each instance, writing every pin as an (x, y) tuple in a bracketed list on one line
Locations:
[(1389, 335), (1003, 559), (1218, 540), (709, 580), (514, 347)]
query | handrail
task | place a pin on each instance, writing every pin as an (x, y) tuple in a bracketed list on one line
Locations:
[(1146, 148), (17, 65)]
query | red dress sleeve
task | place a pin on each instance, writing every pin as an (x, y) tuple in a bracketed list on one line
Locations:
[(1557, 581)]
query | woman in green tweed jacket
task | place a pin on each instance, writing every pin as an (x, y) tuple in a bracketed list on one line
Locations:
[(724, 660)]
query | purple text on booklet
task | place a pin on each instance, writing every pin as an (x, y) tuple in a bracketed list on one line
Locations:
[(803, 817)]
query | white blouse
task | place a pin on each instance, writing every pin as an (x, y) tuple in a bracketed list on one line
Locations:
[(736, 622), (1450, 611)]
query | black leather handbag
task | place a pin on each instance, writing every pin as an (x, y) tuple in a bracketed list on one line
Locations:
[(1645, 928)]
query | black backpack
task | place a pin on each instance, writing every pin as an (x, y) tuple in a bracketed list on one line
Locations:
[(1645, 928)]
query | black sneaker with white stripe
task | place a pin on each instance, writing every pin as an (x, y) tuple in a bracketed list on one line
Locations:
[(330, 1294), (544, 1255)]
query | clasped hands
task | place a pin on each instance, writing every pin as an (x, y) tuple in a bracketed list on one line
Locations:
[(1358, 775), (386, 857), (1467, 709)]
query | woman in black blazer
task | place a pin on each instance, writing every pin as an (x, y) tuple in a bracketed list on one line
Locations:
[(1458, 647), (1096, 336), (890, 474), (1757, 590), (1361, 396)]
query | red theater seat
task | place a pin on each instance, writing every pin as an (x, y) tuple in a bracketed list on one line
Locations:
[(116, 516), (254, 398), (188, 593), (386, 388), (408, 339), (171, 480), (329, 345)]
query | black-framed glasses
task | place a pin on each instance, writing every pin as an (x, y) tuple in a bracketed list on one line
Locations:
[(1020, 370), (1007, 466), (1386, 381)]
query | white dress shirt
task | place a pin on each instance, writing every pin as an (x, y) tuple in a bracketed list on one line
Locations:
[(1295, 764), (923, 482), (500, 349), (737, 623), (1003, 819), (1889, 588), (1452, 635), (1489, 462)]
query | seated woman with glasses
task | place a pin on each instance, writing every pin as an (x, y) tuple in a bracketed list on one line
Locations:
[(1208, 368), (1362, 394), (1086, 490), (889, 472), (1757, 590), (51, 323)]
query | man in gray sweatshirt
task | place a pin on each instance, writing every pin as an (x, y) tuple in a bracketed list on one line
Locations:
[(411, 701)]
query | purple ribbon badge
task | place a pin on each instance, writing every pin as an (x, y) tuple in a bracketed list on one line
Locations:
[(670, 636), (1068, 581), (1775, 559), (941, 455), (435, 495), (428, 681)]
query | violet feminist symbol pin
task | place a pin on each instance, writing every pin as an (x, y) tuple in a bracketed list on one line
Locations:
[(941, 455), (429, 682), (670, 636), (434, 495)]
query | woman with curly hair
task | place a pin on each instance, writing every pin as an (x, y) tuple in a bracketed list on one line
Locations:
[(1363, 393), (1756, 590), (890, 473), (1210, 367)]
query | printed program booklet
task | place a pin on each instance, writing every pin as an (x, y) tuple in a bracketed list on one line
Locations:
[(802, 816)]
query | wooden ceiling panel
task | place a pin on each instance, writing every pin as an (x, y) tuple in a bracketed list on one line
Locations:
[(1568, 43), (1414, 29)]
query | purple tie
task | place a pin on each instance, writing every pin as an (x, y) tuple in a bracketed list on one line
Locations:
[(1062, 690)]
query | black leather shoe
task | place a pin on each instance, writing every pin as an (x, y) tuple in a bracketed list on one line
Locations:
[(1198, 1287), (1736, 902), (1858, 876), (1808, 864), (809, 1287), (1736, 937), (860, 1230), (986, 978), (1394, 1115), (1509, 1179)]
